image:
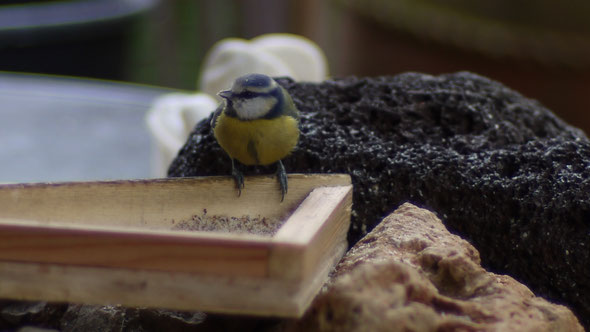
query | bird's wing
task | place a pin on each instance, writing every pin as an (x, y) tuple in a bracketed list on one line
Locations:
[(216, 114), (289, 106)]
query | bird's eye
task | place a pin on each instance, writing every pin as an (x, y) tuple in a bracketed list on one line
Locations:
[(247, 94)]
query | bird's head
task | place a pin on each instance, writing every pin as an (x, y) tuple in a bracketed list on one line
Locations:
[(252, 96)]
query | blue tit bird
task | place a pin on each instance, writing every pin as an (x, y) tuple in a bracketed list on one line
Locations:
[(256, 124)]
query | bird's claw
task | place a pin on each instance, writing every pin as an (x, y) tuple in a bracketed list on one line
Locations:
[(238, 177), (282, 177)]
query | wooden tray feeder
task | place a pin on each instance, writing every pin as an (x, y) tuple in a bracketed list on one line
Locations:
[(130, 242)]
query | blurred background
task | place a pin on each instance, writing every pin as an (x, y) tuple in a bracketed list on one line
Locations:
[(150, 47)]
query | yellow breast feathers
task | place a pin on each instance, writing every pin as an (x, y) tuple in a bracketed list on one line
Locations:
[(257, 142)]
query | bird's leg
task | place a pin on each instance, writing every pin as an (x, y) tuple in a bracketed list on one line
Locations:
[(282, 177), (238, 177)]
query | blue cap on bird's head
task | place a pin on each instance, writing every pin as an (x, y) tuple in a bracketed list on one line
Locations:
[(256, 83)]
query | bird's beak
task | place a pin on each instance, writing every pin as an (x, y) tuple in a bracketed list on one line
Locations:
[(226, 94)]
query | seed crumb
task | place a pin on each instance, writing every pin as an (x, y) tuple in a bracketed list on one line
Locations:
[(257, 225)]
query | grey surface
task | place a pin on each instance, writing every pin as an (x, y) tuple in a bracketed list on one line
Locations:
[(65, 129)]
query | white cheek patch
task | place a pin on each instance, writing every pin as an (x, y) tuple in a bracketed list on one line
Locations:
[(254, 108)]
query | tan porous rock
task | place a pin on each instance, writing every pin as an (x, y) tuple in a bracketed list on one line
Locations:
[(411, 274)]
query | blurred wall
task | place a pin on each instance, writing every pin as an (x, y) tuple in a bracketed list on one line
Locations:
[(89, 38), (538, 47), (174, 38), (361, 38), (556, 72)]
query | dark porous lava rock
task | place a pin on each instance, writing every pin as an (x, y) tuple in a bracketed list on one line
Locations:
[(14, 314), (500, 169)]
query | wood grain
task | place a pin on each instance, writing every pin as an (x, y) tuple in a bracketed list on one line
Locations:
[(199, 252), (111, 242), (155, 203), (319, 223)]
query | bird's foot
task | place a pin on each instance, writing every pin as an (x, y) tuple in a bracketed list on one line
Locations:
[(238, 177), (282, 177)]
